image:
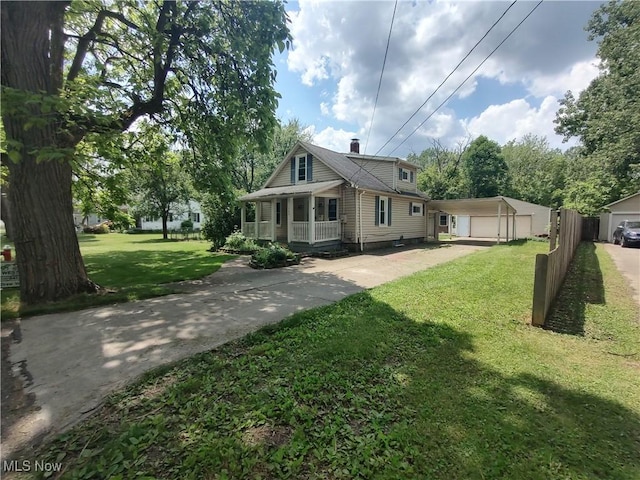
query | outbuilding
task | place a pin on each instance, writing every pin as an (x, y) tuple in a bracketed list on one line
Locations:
[(627, 208)]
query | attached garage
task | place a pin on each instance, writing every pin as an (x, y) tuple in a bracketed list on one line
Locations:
[(478, 217), (627, 208)]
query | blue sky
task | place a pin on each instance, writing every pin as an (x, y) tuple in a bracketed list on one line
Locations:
[(329, 79)]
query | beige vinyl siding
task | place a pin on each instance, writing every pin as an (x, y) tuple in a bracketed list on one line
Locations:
[(321, 173), (402, 224), (348, 209), (384, 170), (331, 193), (406, 186), (487, 227)]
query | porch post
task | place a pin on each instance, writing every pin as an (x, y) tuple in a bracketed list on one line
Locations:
[(289, 218), (312, 225), (243, 216), (507, 232), (499, 217), (258, 217), (514, 225), (273, 219)]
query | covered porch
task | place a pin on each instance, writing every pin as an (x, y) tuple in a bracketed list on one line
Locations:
[(306, 214)]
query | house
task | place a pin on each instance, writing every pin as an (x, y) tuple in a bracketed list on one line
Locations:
[(627, 208), (478, 217), (318, 199), (192, 211)]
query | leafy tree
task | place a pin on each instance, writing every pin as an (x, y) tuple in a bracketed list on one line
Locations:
[(442, 173), (536, 170), (222, 214), (161, 184), (75, 70), (606, 115), (485, 169)]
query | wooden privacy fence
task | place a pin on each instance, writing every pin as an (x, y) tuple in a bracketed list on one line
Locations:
[(552, 267)]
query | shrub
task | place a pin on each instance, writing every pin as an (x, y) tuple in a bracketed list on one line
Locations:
[(186, 225), (97, 229), (272, 256), (237, 241)]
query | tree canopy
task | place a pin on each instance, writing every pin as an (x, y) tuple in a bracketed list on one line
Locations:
[(606, 115), (77, 71), (486, 170)]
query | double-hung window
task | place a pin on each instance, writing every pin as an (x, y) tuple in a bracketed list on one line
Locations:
[(383, 211), (301, 168), (333, 209)]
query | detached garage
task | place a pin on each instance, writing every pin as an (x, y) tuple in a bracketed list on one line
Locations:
[(627, 208), (478, 217)]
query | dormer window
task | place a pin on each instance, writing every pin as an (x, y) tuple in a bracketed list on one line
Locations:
[(301, 169), (405, 175)]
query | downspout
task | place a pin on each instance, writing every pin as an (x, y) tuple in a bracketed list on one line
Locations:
[(360, 222)]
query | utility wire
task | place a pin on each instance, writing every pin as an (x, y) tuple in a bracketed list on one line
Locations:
[(465, 80), (384, 62), (447, 77)]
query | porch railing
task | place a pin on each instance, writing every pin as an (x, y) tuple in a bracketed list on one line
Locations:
[(300, 231), (249, 229), (265, 231), (327, 230)]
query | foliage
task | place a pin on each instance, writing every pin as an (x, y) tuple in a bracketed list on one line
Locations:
[(437, 376), (237, 241), (86, 70), (485, 169), (186, 225), (271, 256), (131, 267), (536, 171), (605, 116), (442, 176), (222, 214), (97, 229)]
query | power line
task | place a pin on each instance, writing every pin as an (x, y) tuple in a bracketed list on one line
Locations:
[(465, 80), (384, 61), (448, 76)]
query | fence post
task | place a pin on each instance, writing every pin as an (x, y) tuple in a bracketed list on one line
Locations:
[(553, 229), (540, 290)]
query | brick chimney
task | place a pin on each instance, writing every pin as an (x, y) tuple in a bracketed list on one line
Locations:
[(355, 146)]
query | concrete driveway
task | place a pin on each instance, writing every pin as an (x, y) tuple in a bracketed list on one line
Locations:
[(628, 262), (69, 362)]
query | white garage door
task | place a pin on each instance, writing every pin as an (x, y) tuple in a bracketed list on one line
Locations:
[(487, 227), (616, 218)]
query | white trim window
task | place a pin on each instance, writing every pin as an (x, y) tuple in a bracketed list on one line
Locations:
[(405, 175), (417, 209), (383, 211), (301, 169), (443, 220)]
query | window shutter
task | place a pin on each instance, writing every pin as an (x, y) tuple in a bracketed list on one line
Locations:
[(293, 171), (424, 209), (309, 167), (400, 174), (389, 213), (411, 209), (377, 220), (411, 176)]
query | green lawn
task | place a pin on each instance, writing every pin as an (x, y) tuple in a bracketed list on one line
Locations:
[(131, 267), (435, 376)]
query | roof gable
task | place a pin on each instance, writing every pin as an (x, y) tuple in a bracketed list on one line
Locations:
[(629, 197)]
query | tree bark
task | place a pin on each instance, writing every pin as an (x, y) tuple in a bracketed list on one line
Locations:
[(165, 230), (48, 255)]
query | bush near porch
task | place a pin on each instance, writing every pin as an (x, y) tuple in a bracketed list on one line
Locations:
[(438, 375)]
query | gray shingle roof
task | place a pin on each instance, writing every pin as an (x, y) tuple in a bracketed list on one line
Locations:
[(347, 168)]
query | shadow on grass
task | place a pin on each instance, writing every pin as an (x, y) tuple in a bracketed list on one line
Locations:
[(356, 389), (86, 237), (583, 285)]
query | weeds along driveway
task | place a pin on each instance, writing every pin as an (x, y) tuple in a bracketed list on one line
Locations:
[(71, 361)]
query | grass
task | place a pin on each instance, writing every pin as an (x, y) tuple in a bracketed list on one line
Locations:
[(130, 267), (436, 376)]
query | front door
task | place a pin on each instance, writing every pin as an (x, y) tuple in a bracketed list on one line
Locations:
[(463, 225)]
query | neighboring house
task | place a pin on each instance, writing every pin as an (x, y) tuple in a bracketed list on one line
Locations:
[(192, 211), (627, 208), (86, 220), (317, 199), (478, 217)]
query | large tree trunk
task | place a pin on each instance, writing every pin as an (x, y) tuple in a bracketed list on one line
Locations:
[(47, 250), (165, 230)]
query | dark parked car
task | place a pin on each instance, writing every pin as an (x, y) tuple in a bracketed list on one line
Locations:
[(627, 233)]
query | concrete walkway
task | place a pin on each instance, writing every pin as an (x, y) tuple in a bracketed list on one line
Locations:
[(70, 361)]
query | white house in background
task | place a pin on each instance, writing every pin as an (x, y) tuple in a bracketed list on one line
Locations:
[(317, 199), (192, 211), (627, 208)]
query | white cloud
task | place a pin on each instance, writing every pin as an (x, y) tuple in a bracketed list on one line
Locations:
[(513, 120), (339, 47), (333, 139)]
